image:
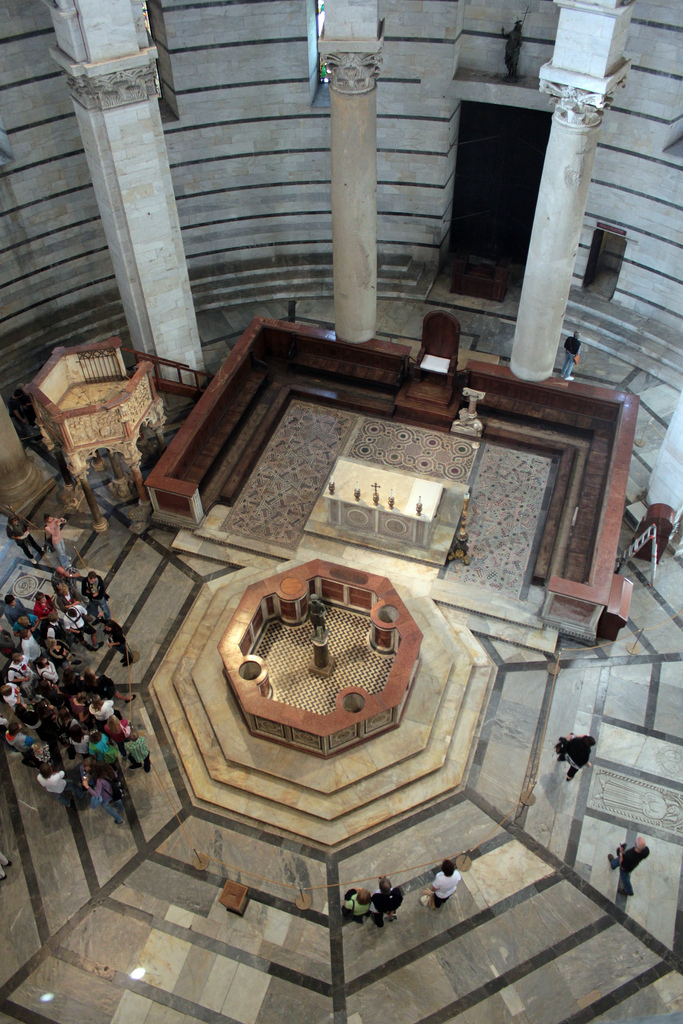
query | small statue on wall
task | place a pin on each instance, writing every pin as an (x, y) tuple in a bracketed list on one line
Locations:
[(513, 47)]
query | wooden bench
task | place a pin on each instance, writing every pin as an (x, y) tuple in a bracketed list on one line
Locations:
[(365, 362)]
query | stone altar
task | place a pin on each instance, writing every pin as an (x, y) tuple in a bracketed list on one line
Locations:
[(398, 522)]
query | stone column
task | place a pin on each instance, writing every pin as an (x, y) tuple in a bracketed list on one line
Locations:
[(110, 73), (666, 481), (21, 482), (119, 484), (99, 523), (586, 68), (351, 45)]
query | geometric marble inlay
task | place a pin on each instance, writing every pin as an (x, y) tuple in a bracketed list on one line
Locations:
[(413, 449), (638, 800)]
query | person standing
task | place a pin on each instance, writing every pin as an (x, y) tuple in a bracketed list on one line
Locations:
[(14, 609), (138, 752), (104, 789), (571, 351), (627, 861), (79, 627), (53, 532), (117, 640), (445, 883), (19, 532), (576, 751), (95, 596), (57, 783), (385, 900), (356, 905)]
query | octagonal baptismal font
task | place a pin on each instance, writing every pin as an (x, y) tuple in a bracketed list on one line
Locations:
[(374, 654), (247, 704)]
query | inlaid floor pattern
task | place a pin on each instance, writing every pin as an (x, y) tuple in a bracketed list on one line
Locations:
[(288, 651)]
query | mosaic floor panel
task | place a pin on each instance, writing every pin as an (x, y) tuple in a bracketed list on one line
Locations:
[(412, 449), (289, 649), (280, 494), (506, 511)]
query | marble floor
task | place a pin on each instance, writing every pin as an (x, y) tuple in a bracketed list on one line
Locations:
[(107, 925)]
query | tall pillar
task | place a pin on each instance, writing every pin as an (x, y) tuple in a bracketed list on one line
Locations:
[(21, 482), (109, 66), (99, 523), (351, 44), (666, 480), (586, 68)]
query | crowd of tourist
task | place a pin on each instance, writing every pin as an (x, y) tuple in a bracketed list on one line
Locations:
[(53, 711)]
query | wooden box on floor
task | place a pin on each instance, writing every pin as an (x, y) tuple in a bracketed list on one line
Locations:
[(235, 897)]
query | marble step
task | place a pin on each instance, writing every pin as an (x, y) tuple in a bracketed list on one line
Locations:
[(630, 338), (191, 542), (331, 787), (492, 615), (247, 792)]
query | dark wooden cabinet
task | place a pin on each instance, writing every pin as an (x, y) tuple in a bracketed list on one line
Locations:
[(483, 279)]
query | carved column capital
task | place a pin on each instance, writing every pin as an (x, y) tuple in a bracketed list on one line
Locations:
[(576, 108), (113, 90), (353, 73)]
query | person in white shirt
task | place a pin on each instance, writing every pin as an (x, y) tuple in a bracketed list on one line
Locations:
[(101, 709), (30, 647), (20, 673), (46, 670), (445, 883), (78, 626), (58, 784), (11, 694)]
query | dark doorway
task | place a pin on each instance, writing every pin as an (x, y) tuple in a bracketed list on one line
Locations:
[(498, 171), (604, 262)]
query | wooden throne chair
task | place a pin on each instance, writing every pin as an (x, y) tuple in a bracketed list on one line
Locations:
[(437, 360)]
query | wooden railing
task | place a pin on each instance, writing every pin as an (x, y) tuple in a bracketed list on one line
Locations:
[(174, 378)]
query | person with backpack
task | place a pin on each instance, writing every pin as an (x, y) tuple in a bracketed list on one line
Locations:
[(105, 791), (19, 532), (385, 900), (356, 905)]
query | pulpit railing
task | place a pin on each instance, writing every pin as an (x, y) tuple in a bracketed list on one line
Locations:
[(172, 377)]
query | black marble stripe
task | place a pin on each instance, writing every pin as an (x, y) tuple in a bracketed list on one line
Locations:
[(648, 302), (638, 230), (413, 117), (256, 245), (336, 943), (653, 270), (494, 35), (256, 216), (52, 266), (28, 35), (643, 730), (317, 114), (48, 160), (654, 71), (48, 234), (652, 698), (250, 156), (515, 974), (46, 199), (252, 831), (439, 40), (23, 1014), (360, 845), (40, 124), (637, 156), (60, 295), (25, 861), (30, 81), (662, 25), (284, 40), (412, 184), (634, 192), (287, 906), (645, 117), (450, 934), (244, 188), (413, 152), (468, 309), (265, 82), (619, 995), (253, 960)]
